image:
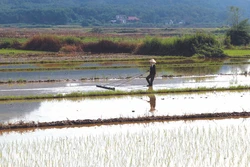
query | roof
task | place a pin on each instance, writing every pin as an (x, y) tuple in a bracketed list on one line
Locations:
[(132, 18)]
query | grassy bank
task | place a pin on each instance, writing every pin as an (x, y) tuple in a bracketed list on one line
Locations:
[(16, 52), (237, 53), (119, 93)]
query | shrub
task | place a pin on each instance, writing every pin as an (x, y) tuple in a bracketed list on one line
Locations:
[(5, 45), (105, 46), (152, 46), (10, 44), (16, 45), (125, 48), (201, 44), (43, 43), (70, 48), (71, 41), (238, 37), (227, 42)]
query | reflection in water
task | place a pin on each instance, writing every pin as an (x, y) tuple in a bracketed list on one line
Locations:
[(206, 70), (70, 74), (14, 110), (121, 106), (152, 101)]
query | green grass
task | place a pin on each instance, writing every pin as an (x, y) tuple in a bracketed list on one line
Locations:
[(235, 53), (15, 52), (118, 93), (5, 39), (111, 38)]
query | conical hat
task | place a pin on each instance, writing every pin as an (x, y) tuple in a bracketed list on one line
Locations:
[(152, 61)]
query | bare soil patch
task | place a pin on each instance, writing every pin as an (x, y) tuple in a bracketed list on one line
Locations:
[(89, 122)]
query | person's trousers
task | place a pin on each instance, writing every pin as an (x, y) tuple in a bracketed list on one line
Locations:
[(150, 79)]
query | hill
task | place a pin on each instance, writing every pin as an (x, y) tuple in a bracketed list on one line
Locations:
[(150, 13)]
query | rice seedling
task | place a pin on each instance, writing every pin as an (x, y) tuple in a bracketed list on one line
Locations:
[(201, 143), (236, 52)]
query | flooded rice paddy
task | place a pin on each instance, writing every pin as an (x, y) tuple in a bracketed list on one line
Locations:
[(194, 143), (66, 87), (124, 106), (123, 69), (215, 142)]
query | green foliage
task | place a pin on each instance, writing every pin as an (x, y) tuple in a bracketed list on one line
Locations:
[(238, 33), (70, 40), (10, 44), (238, 37), (200, 43), (96, 30), (105, 46), (15, 52), (227, 42), (100, 12), (151, 46)]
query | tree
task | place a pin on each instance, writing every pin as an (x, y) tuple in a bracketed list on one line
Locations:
[(238, 33), (234, 16)]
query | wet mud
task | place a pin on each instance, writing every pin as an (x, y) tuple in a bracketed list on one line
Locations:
[(89, 122)]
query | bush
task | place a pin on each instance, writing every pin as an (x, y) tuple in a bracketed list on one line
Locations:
[(227, 42), (16, 45), (70, 49), (152, 46), (201, 44), (238, 37), (71, 41), (105, 46), (5, 45), (13, 44), (43, 43)]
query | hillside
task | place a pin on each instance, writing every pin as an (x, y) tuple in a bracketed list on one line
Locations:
[(100, 12)]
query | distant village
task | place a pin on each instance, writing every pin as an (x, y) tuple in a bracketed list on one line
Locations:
[(123, 19)]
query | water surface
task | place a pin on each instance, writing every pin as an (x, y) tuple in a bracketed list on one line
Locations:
[(124, 106)]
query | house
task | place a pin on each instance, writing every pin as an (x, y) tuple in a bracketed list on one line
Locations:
[(121, 18), (132, 18)]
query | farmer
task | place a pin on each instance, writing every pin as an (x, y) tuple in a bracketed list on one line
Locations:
[(152, 72)]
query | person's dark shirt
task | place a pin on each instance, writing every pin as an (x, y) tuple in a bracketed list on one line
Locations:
[(152, 70)]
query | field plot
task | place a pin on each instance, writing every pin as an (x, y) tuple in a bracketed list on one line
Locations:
[(70, 77), (194, 143), (52, 92), (124, 106)]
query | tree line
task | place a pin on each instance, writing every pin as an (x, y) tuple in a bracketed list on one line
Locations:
[(100, 12)]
